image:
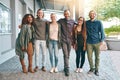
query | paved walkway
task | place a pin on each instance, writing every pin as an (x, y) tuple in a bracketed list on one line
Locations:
[(109, 63)]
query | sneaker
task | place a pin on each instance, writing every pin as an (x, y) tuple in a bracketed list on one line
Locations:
[(36, 69), (56, 70), (52, 70), (43, 69), (77, 70), (80, 70), (66, 72), (96, 73), (90, 71)]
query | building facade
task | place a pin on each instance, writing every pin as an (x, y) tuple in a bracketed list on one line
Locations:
[(11, 13)]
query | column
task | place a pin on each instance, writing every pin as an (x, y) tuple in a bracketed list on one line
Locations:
[(79, 8)]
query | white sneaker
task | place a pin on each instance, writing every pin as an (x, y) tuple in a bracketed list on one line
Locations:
[(52, 70), (77, 70), (80, 70), (56, 70)]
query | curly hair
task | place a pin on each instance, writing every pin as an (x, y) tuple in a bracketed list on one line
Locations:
[(25, 19)]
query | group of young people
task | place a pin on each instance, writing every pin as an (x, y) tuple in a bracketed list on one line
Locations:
[(38, 34)]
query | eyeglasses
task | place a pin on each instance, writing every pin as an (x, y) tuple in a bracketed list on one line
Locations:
[(80, 20)]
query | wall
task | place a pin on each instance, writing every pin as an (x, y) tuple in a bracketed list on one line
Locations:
[(18, 9), (6, 3), (5, 40)]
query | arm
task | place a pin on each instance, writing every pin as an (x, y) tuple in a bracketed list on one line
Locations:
[(22, 36), (73, 34), (47, 34), (85, 37), (102, 35), (74, 37)]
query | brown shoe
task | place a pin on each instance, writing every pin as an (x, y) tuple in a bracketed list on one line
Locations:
[(23, 66), (36, 69), (43, 69), (30, 70), (24, 69)]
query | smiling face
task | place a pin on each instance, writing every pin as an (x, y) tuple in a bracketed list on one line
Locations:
[(80, 21), (40, 13), (30, 19), (53, 17), (67, 14), (92, 15)]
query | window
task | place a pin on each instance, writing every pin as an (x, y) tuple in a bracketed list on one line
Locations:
[(5, 19)]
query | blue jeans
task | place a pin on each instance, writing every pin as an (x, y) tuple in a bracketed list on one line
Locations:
[(53, 51)]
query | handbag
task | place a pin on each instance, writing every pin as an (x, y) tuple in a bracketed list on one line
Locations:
[(103, 46)]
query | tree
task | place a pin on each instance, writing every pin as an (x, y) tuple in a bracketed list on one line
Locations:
[(107, 8)]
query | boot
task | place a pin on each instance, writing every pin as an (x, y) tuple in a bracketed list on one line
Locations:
[(30, 69), (36, 69), (30, 64), (30, 55), (23, 66)]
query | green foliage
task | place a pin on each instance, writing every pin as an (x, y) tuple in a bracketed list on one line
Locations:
[(112, 29), (108, 9)]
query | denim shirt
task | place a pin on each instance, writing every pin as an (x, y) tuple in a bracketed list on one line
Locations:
[(95, 32)]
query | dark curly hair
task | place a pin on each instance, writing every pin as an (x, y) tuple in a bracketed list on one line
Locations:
[(25, 19)]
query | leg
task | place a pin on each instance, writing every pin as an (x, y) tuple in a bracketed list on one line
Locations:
[(65, 54), (43, 47), (66, 58), (30, 57), (69, 48), (77, 57), (23, 66), (82, 58), (56, 53), (89, 54), (51, 52), (37, 47), (97, 56)]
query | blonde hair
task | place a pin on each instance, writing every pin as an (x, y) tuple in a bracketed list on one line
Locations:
[(93, 11)]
